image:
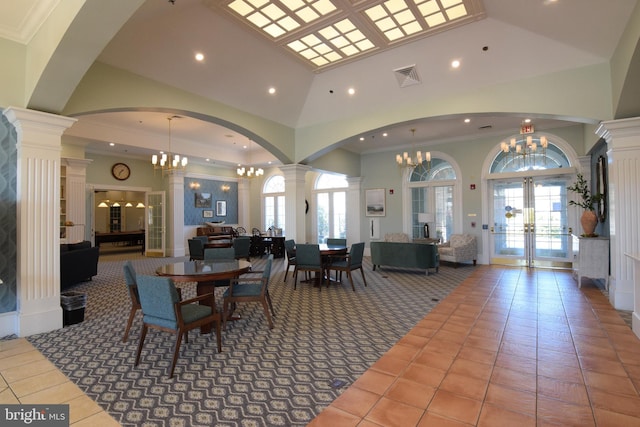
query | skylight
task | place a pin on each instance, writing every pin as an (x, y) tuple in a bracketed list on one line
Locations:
[(322, 33)]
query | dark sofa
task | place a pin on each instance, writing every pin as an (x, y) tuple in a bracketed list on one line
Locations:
[(78, 263), (405, 255)]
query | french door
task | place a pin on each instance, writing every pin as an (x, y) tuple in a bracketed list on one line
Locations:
[(529, 222), (155, 236)]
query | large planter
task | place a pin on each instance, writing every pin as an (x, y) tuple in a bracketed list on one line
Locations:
[(589, 220)]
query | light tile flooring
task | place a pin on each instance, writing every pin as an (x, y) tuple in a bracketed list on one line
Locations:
[(508, 347)]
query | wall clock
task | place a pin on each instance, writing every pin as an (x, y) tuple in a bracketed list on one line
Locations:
[(120, 171)]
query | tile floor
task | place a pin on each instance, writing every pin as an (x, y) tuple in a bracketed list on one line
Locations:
[(508, 347), (26, 376)]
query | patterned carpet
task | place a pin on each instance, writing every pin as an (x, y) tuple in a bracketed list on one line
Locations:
[(322, 342)]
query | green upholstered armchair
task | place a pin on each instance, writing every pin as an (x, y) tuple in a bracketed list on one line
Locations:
[(250, 289), (308, 259), (163, 310), (350, 262)]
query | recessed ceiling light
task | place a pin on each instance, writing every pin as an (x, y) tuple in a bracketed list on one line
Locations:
[(362, 138), (272, 90), (199, 56), (467, 120), (385, 134), (351, 91), (527, 120), (112, 144), (455, 63)]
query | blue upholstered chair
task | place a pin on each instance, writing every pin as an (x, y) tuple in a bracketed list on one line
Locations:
[(290, 249), (219, 254), (332, 241), (250, 289), (308, 259), (132, 286), (242, 246), (196, 249), (163, 310), (350, 262)]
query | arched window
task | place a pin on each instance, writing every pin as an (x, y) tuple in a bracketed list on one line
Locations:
[(432, 199), (273, 196), (331, 203), (511, 159)]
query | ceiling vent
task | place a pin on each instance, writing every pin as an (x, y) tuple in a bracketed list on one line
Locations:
[(407, 76)]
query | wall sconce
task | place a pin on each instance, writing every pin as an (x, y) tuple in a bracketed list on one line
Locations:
[(225, 187), (194, 185), (103, 204)]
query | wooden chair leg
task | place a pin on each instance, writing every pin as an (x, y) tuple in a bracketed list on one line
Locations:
[(219, 335), (225, 314), (143, 334), (132, 315), (351, 280), (266, 313), (273, 312), (176, 351), (363, 278)]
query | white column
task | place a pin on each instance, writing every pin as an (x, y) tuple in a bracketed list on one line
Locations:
[(294, 187), (244, 204), (623, 141), (353, 210), (176, 206), (38, 219), (76, 191)]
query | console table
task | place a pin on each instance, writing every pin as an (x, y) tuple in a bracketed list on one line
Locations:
[(591, 258)]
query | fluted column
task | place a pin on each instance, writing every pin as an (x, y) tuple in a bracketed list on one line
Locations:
[(176, 208), (38, 219), (75, 195), (353, 210), (623, 142), (294, 185), (244, 204)]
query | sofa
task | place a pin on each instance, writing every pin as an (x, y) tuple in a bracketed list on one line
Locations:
[(459, 248), (405, 255), (78, 263)]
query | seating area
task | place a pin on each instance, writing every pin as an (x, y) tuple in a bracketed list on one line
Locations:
[(398, 251), (459, 248)]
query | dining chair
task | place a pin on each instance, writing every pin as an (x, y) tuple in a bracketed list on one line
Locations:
[(163, 310), (203, 239), (308, 259), (196, 249), (219, 254), (332, 241), (348, 263), (250, 289), (241, 231), (132, 286), (242, 246), (290, 250)]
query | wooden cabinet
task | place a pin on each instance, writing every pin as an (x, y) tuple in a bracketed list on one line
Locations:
[(591, 258)]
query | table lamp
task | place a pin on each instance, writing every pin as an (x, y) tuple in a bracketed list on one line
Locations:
[(426, 218)]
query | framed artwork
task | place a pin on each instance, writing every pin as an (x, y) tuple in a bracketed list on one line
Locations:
[(203, 200), (375, 202), (221, 208), (207, 214)]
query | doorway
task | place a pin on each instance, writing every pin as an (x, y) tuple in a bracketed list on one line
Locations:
[(529, 224)]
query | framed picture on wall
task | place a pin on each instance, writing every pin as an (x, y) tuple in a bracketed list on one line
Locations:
[(375, 202), (203, 200), (221, 208), (207, 214)]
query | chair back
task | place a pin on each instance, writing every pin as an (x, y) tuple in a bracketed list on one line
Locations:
[(308, 255), (129, 274), (356, 253), (196, 248), (203, 239), (219, 253), (241, 246), (240, 231), (158, 296), (289, 247), (266, 273), (336, 242)]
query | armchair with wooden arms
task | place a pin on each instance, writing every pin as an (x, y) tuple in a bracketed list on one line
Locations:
[(349, 262), (163, 310), (250, 289)]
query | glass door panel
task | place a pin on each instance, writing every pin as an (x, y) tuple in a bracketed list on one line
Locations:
[(155, 223)]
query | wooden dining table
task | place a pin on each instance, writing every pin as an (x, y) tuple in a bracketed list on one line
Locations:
[(326, 251), (206, 273)]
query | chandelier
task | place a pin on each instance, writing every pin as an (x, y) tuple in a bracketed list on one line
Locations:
[(410, 161), (526, 149), (250, 171), (169, 162)]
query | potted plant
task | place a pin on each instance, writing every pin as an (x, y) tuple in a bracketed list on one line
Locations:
[(589, 219)]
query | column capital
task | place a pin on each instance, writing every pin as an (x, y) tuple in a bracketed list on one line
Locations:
[(295, 171), (623, 133)]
